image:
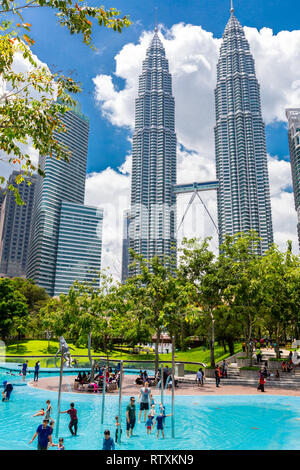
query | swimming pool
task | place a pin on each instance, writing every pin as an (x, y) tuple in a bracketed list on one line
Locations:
[(201, 422)]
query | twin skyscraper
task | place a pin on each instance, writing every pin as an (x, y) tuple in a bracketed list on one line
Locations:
[(242, 184)]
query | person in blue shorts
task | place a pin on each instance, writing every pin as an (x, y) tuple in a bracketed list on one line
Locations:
[(149, 423), (8, 388), (130, 416), (36, 371), (108, 442), (44, 433), (24, 369), (160, 423)]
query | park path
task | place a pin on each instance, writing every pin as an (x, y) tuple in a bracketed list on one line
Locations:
[(130, 388)]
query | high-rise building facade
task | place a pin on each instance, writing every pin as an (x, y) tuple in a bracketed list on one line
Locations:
[(64, 182), (152, 229), (125, 246), (15, 223), (241, 160), (293, 116), (79, 246)]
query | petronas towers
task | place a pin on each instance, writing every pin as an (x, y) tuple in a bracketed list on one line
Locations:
[(240, 144), (153, 203), (243, 196)]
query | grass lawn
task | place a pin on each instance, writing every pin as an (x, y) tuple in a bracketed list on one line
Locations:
[(40, 348)]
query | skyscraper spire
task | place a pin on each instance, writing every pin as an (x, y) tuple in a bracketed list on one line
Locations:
[(241, 158), (231, 9), (156, 28)]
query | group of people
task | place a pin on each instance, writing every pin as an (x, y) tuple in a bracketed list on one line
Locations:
[(288, 366), (45, 430), (101, 374), (143, 377), (260, 343), (151, 418)]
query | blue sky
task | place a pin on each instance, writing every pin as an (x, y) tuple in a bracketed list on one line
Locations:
[(191, 33), (108, 144)]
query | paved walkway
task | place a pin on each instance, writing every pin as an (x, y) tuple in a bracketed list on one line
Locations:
[(130, 388)]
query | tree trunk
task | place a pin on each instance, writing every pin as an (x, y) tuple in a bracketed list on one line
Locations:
[(224, 346), (249, 338), (212, 343), (156, 351), (182, 337), (230, 343), (90, 356), (277, 342)]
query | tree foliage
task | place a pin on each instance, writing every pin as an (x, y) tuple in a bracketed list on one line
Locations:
[(33, 102), (13, 308)]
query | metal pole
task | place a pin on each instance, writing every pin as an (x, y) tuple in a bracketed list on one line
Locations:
[(120, 403), (59, 390), (173, 385), (162, 383), (103, 395)]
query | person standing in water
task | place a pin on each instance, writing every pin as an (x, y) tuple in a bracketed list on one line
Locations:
[(130, 416), (160, 420), (8, 388), (48, 410), (36, 371), (44, 433), (72, 412), (118, 430), (144, 395), (24, 370)]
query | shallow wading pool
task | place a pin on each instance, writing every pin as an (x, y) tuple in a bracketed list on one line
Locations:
[(201, 422)]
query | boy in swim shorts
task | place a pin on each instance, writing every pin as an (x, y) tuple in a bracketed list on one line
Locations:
[(160, 423), (149, 423)]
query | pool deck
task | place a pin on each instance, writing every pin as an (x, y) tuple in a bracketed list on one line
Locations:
[(130, 388)]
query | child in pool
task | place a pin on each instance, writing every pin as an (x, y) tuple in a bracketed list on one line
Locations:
[(160, 420), (60, 445), (152, 412), (149, 423), (118, 429), (39, 413)]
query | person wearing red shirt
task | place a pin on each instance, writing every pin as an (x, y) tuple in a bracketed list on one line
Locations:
[(74, 419), (261, 382)]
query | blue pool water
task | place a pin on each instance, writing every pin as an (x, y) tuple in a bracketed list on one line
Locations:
[(201, 422)]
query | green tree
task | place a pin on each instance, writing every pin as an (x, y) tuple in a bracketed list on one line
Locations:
[(239, 279), (198, 266), (278, 282), (160, 298), (32, 102), (13, 308)]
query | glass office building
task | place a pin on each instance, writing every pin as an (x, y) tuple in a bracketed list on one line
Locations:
[(15, 224), (293, 116), (152, 229), (79, 246), (63, 182), (241, 160)]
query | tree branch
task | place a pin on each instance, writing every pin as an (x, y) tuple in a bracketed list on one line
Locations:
[(29, 5)]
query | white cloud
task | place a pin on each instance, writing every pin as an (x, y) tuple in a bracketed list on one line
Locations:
[(282, 202), (110, 190), (192, 53), (277, 58)]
